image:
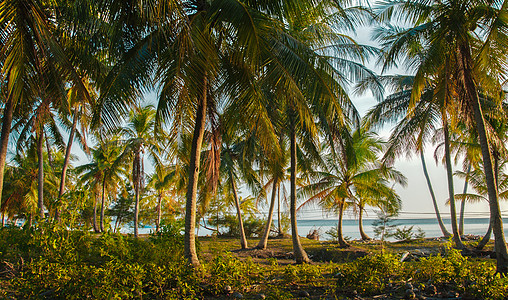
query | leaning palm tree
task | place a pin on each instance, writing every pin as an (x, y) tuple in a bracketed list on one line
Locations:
[(459, 55), (413, 130), (235, 164)]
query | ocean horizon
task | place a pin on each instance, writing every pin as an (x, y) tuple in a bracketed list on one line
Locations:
[(472, 226)]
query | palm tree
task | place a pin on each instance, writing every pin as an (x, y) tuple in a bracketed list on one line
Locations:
[(412, 131), (140, 137), (275, 169), (451, 31), (102, 174), (354, 176), (31, 49)]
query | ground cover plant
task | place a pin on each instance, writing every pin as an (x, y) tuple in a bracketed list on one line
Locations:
[(48, 262)]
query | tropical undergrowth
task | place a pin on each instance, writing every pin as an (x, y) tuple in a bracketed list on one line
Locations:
[(54, 263)]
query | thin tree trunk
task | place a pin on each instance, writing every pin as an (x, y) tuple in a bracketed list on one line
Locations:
[(66, 162), (116, 223), (102, 203), (466, 68), (95, 228), (263, 242), (451, 192), (136, 211), (279, 219), (40, 177), (463, 204), (433, 196), (243, 238), (298, 251), (486, 238), (159, 214), (364, 236), (340, 235), (4, 140), (192, 188)]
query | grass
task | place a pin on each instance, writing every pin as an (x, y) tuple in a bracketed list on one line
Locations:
[(50, 263)]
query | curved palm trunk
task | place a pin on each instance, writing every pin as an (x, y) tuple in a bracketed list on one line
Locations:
[(4, 140), (486, 238), (433, 196), (243, 239), (466, 70), (40, 176), (451, 192), (299, 252), (340, 235), (159, 214), (66, 163), (192, 188), (463, 204), (95, 227), (263, 242), (364, 236), (102, 203)]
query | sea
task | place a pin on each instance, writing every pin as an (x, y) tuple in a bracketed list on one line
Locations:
[(430, 227)]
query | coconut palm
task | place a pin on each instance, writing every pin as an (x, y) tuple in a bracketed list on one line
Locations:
[(459, 56), (353, 176), (139, 137), (31, 49), (412, 131), (102, 174)]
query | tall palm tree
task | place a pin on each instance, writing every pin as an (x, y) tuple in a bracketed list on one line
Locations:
[(451, 31), (31, 49), (102, 174), (412, 131), (140, 137)]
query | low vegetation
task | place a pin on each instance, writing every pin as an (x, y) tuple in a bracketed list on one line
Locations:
[(48, 262)]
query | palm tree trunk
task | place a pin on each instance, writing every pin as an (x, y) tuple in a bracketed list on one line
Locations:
[(433, 196), (299, 252), (136, 211), (66, 162), (486, 238), (40, 177), (102, 203), (466, 68), (340, 235), (159, 213), (364, 236), (243, 239), (192, 188), (451, 192), (463, 204), (263, 242), (4, 140), (279, 219), (116, 223), (95, 228)]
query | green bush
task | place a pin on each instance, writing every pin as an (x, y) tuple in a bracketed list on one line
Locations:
[(370, 274)]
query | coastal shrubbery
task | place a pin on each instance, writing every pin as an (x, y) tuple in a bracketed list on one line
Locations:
[(51, 262)]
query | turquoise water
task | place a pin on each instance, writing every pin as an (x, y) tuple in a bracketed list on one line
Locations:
[(474, 226)]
